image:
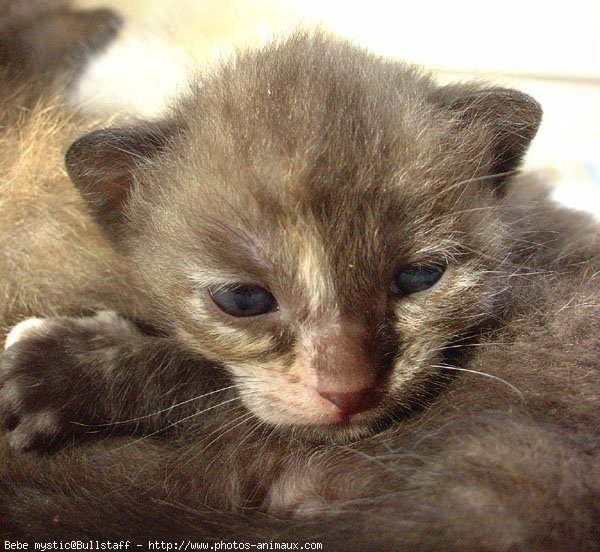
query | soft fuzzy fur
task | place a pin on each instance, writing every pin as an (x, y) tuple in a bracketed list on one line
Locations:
[(318, 170), (164, 43), (53, 259)]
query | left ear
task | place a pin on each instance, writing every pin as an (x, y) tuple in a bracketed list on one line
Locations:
[(102, 163), (512, 118)]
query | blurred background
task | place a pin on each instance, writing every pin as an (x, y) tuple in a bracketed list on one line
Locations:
[(550, 50)]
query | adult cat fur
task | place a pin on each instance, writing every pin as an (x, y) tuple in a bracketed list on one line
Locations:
[(53, 260), (316, 138)]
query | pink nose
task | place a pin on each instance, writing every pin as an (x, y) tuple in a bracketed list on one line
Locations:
[(349, 403)]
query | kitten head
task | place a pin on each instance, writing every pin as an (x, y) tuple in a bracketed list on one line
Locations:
[(319, 221)]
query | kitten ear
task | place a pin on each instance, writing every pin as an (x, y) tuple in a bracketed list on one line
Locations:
[(101, 164), (511, 117)]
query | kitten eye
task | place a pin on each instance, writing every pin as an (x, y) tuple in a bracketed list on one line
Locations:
[(244, 300), (415, 278)]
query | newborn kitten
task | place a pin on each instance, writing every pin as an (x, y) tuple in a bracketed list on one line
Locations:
[(393, 346), (53, 258)]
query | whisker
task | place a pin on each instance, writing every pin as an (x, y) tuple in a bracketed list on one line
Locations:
[(472, 180), (218, 429), (257, 425), (173, 424), (370, 458), (168, 409), (245, 417), (491, 376)]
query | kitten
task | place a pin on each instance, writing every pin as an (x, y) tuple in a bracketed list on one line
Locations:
[(49, 37), (53, 259), (353, 321)]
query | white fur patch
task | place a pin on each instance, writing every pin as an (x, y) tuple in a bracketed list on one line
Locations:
[(578, 195), (23, 330), (314, 271), (137, 76)]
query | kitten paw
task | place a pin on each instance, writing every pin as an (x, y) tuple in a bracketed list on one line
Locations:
[(32, 430), (47, 378)]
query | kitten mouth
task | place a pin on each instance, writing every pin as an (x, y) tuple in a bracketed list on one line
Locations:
[(345, 422), (348, 408), (305, 407), (343, 430)]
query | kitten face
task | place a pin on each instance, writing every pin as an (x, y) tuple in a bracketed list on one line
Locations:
[(339, 327), (325, 180)]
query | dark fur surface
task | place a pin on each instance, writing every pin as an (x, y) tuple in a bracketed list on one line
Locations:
[(315, 155), (46, 37)]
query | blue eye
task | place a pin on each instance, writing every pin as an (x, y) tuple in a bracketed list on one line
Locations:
[(244, 300), (412, 279)]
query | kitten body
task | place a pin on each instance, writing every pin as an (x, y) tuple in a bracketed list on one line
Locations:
[(462, 416)]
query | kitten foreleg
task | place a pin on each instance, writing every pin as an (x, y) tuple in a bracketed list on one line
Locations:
[(66, 377)]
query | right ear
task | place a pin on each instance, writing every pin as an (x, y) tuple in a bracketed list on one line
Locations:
[(511, 116), (101, 164)]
